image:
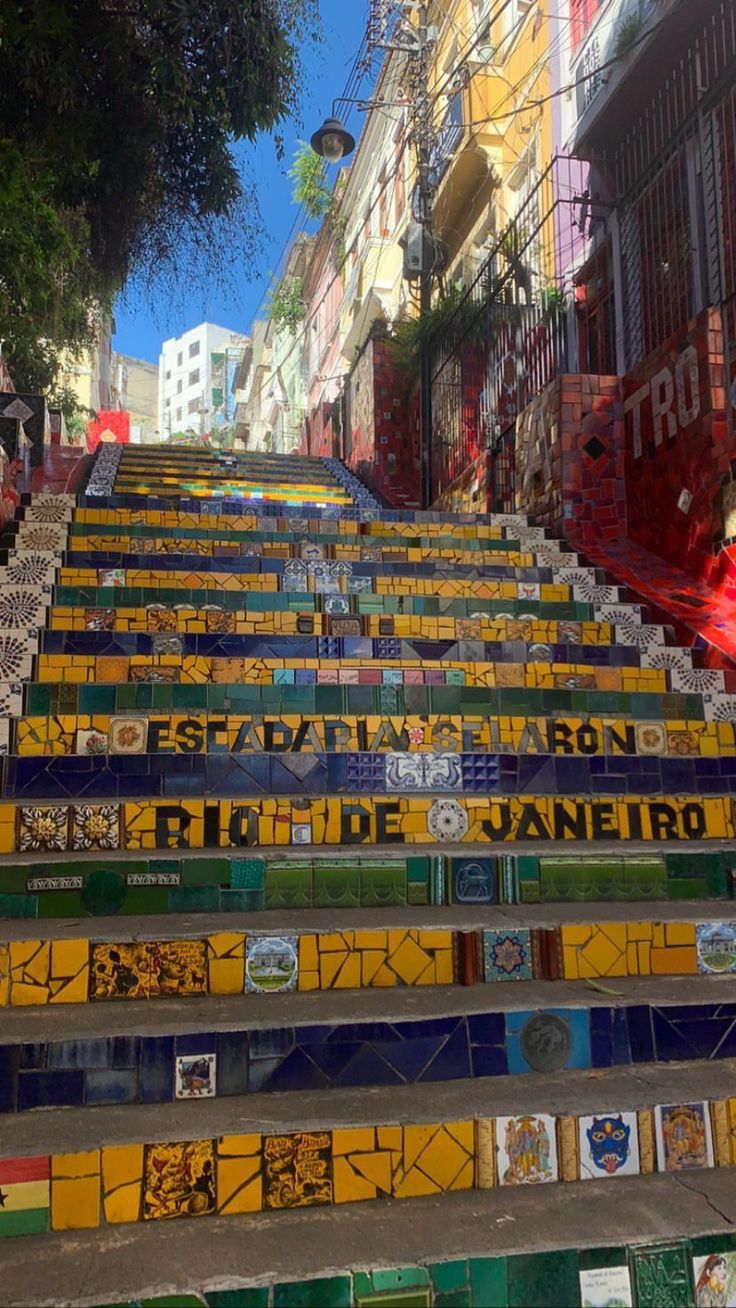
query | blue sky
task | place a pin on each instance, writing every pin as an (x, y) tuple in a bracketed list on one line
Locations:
[(144, 322)]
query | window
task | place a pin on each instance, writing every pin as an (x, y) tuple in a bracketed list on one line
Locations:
[(168, 404), (595, 314), (179, 359), (382, 204), (194, 377), (194, 349), (582, 13), (168, 375), (193, 406), (179, 386), (178, 415)]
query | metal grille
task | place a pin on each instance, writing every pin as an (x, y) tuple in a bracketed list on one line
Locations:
[(507, 337)]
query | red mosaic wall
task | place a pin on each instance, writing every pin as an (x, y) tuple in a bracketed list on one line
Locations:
[(678, 447), (383, 445), (472, 492), (116, 421), (570, 458)]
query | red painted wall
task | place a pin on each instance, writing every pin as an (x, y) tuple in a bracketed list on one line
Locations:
[(677, 440), (116, 421), (383, 444)]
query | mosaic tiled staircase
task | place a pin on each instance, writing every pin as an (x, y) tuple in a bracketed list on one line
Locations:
[(308, 775)]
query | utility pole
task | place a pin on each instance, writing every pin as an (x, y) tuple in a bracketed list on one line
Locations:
[(423, 131)]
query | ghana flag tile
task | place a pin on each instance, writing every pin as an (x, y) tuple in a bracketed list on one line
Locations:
[(24, 1195)]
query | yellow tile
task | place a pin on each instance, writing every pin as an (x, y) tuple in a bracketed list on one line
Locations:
[(677, 961), (645, 963), (435, 939), (370, 940), (632, 959), (308, 955), (444, 967), (370, 961), (570, 962), (409, 961), (391, 1137), (226, 976), (639, 931), (75, 991), (239, 1145), (308, 980), (347, 1186), (658, 935), (74, 1165), (358, 1139), (239, 1184), (680, 933), (75, 1204), (121, 1164), (122, 1204), (227, 943), (575, 934), (375, 1167), (329, 966), (349, 976)]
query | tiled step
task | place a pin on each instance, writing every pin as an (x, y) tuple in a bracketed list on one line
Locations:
[(60, 886), (414, 1251), (237, 1157), (97, 961), (303, 1041), (153, 731)]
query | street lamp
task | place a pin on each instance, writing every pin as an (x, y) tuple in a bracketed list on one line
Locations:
[(333, 141)]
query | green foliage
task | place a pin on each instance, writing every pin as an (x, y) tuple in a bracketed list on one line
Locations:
[(309, 176), (626, 35), (411, 334), (286, 307), (116, 151)]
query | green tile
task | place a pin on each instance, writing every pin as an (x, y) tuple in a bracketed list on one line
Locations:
[(336, 885), (488, 1282), (662, 1274), (528, 867), (452, 1275), (247, 873), (15, 876), (61, 903), (545, 1280), (324, 1292), (242, 901), (18, 905), (688, 888), (530, 892), (205, 871), (289, 887), (194, 899), (147, 899), (383, 884), (399, 1278), (417, 894), (250, 1296)]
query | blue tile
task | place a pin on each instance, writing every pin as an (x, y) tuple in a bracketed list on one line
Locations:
[(57, 1089), (639, 1023), (33, 1056), (453, 1060), (367, 1068), (232, 1062), (157, 1069), (409, 1058), (270, 1042), (81, 1053), (116, 1086), (489, 1060), (601, 1037), (295, 1072), (195, 1042), (487, 1028), (125, 1051), (9, 1064), (576, 1020), (331, 1058)]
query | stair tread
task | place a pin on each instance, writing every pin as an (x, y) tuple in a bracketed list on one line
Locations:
[(63, 1022)]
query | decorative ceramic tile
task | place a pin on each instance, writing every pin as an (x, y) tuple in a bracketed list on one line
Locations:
[(92, 742), (297, 1169), (608, 1145), (195, 1076), (111, 577), (715, 1280), (30, 568), (179, 1179), (95, 826), (16, 656), (696, 681), (128, 735), (43, 828), (447, 821), (271, 964), (41, 538), (662, 1275), (526, 1148), (716, 946), (651, 737), (99, 619), (605, 1287), (50, 508), (23, 606), (507, 955), (474, 880), (684, 1139)]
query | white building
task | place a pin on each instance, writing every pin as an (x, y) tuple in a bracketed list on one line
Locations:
[(185, 378)]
